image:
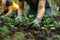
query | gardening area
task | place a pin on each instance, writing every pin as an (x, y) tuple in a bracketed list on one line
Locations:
[(11, 29)]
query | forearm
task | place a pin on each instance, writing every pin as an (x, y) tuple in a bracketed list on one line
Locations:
[(41, 13), (21, 8), (21, 12), (8, 13), (41, 9)]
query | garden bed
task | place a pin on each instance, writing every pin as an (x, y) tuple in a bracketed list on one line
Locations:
[(15, 30), (33, 35)]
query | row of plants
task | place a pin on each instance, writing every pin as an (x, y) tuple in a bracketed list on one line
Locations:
[(8, 26)]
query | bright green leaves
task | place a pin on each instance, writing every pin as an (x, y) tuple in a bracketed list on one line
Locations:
[(5, 29)]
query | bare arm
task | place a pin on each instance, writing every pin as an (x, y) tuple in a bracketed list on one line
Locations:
[(9, 11), (41, 8), (21, 8)]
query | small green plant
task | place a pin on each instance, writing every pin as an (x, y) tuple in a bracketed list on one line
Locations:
[(9, 24), (57, 14), (56, 38), (48, 24), (6, 25)]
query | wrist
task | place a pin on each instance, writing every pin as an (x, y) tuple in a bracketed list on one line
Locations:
[(39, 17), (37, 20)]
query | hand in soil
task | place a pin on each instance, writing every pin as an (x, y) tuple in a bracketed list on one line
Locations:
[(35, 25)]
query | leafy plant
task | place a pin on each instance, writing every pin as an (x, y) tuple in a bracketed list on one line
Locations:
[(48, 24), (57, 14), (8, 24)]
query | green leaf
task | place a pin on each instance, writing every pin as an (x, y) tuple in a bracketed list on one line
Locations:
[(5, 29)]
